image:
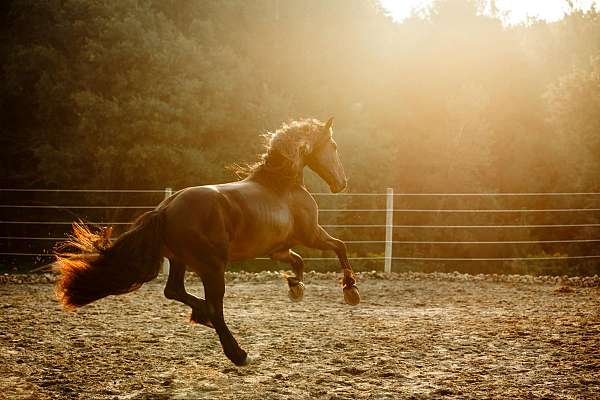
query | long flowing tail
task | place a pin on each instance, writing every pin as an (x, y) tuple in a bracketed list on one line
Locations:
[(99, 268)]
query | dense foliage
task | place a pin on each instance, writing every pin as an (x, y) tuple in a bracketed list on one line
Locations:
[(157, 93)]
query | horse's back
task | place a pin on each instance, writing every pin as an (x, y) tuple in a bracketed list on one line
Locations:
[(243, 219)]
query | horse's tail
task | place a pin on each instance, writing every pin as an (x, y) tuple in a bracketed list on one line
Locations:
[(99, 268)]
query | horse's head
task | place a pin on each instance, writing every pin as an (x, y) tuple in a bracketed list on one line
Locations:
[(325, 161)]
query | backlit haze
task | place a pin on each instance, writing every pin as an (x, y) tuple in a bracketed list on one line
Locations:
[(512, 12)]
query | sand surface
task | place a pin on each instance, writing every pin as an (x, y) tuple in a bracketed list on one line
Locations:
[(414, 337)]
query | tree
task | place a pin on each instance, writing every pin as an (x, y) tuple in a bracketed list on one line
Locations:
[(573, 108)]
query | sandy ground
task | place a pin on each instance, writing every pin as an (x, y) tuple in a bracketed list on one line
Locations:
[(419, 337)]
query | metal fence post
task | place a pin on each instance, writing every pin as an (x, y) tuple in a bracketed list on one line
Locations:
[(165, 265), (389, 229)]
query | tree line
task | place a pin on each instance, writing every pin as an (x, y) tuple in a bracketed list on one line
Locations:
[(154, 93)]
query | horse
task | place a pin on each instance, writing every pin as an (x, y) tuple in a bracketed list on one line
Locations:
[(203, 228)]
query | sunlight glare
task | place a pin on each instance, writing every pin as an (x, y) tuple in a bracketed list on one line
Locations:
[(513, 11)]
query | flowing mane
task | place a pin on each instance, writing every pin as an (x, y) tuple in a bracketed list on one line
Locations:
[(284, 149)]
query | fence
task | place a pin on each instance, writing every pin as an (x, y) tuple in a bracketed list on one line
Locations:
[(569, 222)]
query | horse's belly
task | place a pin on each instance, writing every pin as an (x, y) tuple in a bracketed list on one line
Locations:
[(237, 253)]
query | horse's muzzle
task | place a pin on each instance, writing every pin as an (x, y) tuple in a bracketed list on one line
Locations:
[(339, 187)]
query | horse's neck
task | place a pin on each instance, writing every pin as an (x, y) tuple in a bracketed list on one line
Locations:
[(278, 173), (276, 180)]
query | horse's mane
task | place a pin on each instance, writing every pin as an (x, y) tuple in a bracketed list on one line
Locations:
[(288, 141)]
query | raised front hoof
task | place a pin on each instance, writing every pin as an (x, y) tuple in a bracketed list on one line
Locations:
[(351, 295), (296, 291), (198, 317)]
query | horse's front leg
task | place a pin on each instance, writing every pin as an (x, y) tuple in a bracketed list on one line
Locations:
[(175, 290), (324, 241), (295, 283)]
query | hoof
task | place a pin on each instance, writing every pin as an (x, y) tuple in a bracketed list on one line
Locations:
[(296, 292), (198, 318), (246, 361), (351, 295)]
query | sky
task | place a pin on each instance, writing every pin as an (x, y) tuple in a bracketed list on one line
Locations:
[(517, 10)]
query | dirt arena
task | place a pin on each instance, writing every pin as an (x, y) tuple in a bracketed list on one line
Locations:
[(414, 336)]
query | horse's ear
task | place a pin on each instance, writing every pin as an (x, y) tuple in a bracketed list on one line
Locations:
[(328, 124)]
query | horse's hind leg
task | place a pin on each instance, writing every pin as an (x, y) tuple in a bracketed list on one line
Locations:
[(295, 283), (213, 278), (175, 290)]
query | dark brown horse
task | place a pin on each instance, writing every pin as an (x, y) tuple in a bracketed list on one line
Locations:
[(203, 228)]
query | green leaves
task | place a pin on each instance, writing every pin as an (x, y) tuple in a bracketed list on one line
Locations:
[(166, 93)]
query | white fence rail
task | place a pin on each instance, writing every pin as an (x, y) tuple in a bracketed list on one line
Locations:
[(389, 226)]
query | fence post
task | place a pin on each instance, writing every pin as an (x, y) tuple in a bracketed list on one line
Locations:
[(165, 265), (389, 229)]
